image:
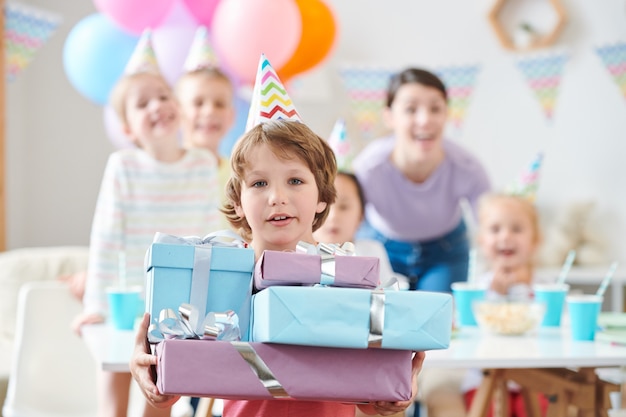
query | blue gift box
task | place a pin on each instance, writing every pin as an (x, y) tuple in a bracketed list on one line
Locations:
[(352, 318), (212, 278)]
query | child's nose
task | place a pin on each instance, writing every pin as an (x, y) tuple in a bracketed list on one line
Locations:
[(277, 196)]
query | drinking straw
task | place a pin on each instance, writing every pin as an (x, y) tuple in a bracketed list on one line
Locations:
[(471, 266), (607, 279), (567, 265), (121, 268)]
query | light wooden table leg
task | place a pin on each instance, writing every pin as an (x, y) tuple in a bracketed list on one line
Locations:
[(531, 403), (501, 398), (482, 399)]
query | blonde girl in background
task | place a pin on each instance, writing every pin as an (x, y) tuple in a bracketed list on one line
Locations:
[(156, 187), (508, 239)]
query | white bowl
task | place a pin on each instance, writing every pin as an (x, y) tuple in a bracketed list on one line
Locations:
[(508, 317)]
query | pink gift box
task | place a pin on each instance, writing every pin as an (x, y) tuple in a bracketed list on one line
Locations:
[(201, 368), (291, 268)]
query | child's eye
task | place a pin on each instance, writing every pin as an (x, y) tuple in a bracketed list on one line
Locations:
[(259, 184), (295, 181)]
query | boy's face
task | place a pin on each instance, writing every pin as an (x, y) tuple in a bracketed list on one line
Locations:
[(506, 235), (418, 117), (207, 110), (151, 111), (344, 216), (279, 199)]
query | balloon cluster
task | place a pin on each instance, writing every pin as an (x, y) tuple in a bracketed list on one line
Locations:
[(297, 35)]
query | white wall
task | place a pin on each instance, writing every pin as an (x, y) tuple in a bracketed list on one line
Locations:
[(57, 147)]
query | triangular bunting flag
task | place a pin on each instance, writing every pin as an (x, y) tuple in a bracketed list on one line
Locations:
[(543, 73), (459, 82), (614, 58), (366, 88), (27, 29)]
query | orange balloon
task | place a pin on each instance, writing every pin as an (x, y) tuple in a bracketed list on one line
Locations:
[(319, 30)]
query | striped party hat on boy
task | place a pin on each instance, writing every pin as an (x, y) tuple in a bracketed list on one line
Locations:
[(340, 144), (143, 58), (270, 100), (528, 181), (201, 54)]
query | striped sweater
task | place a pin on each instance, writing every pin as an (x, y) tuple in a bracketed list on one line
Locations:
[(140, 196)]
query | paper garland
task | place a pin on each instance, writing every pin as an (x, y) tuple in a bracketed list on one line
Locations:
[(543, 74), (366, 88), (26, 30), (460, 82), (613, 56)]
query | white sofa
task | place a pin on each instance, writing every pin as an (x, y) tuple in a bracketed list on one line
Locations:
[(22, 265)]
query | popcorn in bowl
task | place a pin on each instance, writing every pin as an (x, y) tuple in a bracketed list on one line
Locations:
[(508, 317)]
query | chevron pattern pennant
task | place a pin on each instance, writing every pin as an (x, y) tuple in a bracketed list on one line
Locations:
[(543, 74), (459, 81), (366, 88), (614, 58), (26, 30), (270, 100)]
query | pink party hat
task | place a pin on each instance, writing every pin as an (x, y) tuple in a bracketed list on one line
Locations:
[(270, 100), (528, 181), (143, 58), (342, 147), (201, 54)]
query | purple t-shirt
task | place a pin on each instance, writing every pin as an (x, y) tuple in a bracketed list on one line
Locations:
[(407, 211)]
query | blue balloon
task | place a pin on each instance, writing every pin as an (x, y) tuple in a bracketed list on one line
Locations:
[(238, 129), (95, 55)]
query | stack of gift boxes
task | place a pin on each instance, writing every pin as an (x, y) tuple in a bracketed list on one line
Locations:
[(314, 324)]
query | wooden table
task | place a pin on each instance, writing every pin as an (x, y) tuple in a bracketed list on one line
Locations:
[(548, 362)]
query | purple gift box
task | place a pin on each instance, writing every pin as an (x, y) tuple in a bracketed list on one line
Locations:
[(247, 371), (292, 268)]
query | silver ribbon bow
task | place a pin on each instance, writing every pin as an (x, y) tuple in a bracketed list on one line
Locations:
[(187, 325), (327, 251)]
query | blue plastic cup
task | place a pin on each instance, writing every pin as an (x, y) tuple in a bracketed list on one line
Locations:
[(553, 296), (584, 310), (124, 307), (465, 293)]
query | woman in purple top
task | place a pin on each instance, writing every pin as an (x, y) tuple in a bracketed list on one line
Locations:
[(414, 181)]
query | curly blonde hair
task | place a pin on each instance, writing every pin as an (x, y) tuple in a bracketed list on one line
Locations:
[(287, 139)]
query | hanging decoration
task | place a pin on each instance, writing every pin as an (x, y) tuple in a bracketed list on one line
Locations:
[(543, 72), (613, 55), (366, 89), (27, 29), (460, 82)]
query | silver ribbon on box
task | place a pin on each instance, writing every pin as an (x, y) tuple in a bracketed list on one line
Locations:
[(327, 251), (201, 259), (187, 325), (377, 318), (260, 369)]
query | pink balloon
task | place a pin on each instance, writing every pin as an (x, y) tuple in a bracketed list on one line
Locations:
[(114, 130), (202, 10), (243, 29), (135, 15), (172, 40)]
